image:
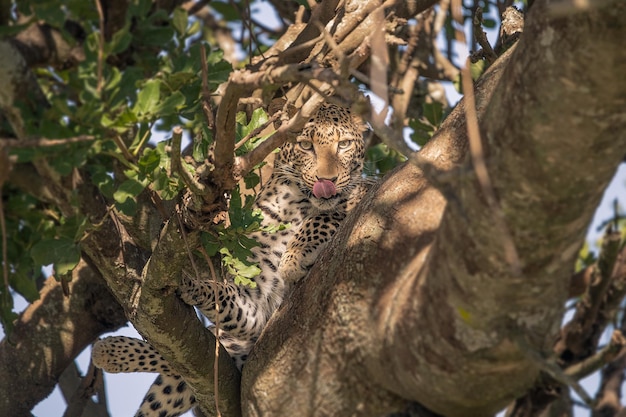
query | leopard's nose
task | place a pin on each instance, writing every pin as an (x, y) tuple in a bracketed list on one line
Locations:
[(333, 179)]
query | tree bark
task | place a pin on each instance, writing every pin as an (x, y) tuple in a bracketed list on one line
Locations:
[(415, 300)]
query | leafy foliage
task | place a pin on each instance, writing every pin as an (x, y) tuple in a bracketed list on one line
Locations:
[(123, 108), (233, 242), (425, 128)]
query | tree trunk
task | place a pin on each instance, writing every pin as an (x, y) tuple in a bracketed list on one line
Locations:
[(416, 299)]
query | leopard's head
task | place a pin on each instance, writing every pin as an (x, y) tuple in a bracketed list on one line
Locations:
[(327, 156)]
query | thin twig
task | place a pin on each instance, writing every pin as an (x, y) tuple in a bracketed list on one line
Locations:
[(477, 154), (596, 294), (5, 169), (258, 130), (101, 41), (5, 257), (217, 329), (487, 51), (550, 367), (143, 140), (334, 47), (595, 362), (195, 186), (247, 23), (441, 16), (195, 7), (122, 146), (217, 308), (43, 142), (80, 398), (301, 47)]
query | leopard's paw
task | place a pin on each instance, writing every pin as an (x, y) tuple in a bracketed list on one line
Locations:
[(291, 270), (192, 291)]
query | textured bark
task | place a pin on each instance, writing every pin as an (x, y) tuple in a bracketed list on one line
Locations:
[(415, 300), (144, 284), (50, 334)]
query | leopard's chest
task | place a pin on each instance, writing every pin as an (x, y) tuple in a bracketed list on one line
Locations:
[(281, 203)]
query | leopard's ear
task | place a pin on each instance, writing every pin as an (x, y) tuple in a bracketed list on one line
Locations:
[(361, 125), (356, 110)]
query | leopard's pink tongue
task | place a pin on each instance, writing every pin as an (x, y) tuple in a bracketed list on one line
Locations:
[(324, 189)]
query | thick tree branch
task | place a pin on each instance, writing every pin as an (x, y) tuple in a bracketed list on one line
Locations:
[(172, 328), (436, 314), (42, 44), (144, 284)]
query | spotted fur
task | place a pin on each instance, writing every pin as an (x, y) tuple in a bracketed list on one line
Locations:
[(329, 148)]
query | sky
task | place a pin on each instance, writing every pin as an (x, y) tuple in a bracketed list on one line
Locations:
[(125, 391)]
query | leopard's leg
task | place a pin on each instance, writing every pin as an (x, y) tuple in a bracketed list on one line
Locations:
[(243, 311), (238, 349), (303, 249), (117, 354), (168, 396)]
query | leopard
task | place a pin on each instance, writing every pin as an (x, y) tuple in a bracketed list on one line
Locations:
[(316, 181)]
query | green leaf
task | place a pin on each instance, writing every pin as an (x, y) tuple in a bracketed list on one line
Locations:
[(251, 180), (152, 33), (422, 132), (130, 188), (210, 243), (7, 316), (171, 105), (63, 252), (244, 128), (383, 159), (227, 11), (102, 180), (433, 113), (489, 23), (149, 161), (148, 98), (477, 69), (201, 144), (25, 286), (72, 228), (73, 156), (126, 194), (120, 41), (179, 20), (218, 69), (242, 271), (139, 8), (177, 80)]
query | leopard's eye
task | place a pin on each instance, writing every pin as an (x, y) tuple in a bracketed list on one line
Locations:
[(343, 144), (306, 144)]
